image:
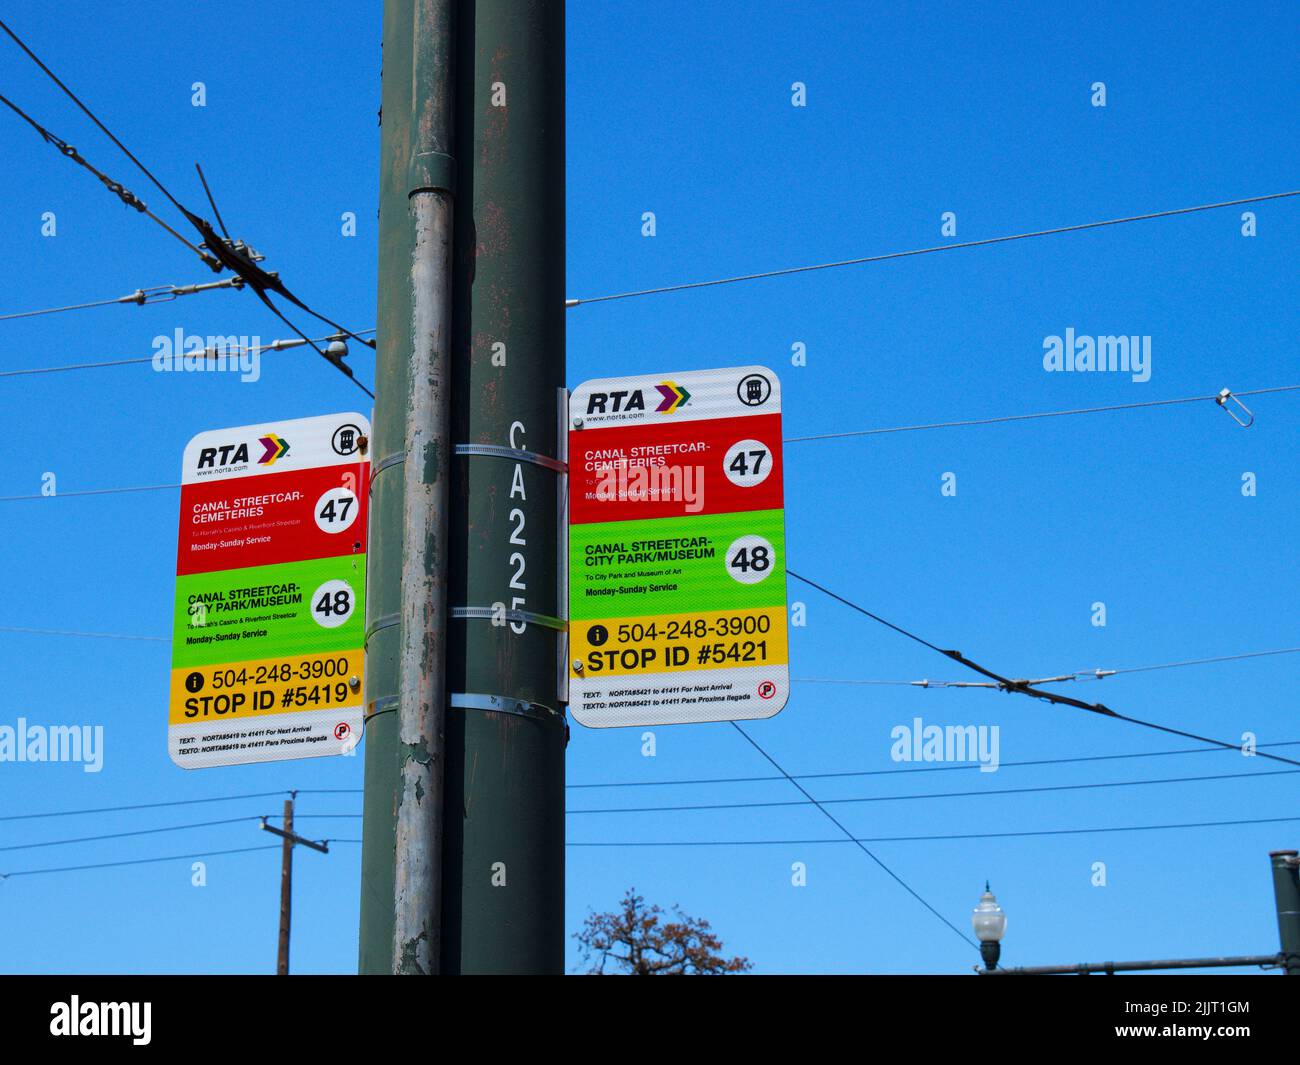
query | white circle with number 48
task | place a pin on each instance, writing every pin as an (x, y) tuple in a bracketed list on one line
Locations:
[(750, 559), (332, 604), (747, 463), (336, 510)]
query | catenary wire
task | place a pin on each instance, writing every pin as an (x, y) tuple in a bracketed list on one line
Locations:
[(89, 114), (1040, 789), (146, 861), (860, 844), (144, 806), (1021, 687), (338, 364), (715, 842), (140, 297), (645, 783), (1028, 417), (222, 255), (133, 832), (1078, 674), (71, 632), (120, 191), (933, 838), (926, 251), (91, 492), (967, 766), (275, 345)]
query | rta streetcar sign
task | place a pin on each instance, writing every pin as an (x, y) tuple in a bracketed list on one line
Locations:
[(267, 652), (677, 599)]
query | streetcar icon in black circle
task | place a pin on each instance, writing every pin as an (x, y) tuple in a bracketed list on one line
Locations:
[(754, 390), (345, 439)]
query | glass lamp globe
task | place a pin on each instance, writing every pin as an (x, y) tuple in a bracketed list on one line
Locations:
[(988, 919)]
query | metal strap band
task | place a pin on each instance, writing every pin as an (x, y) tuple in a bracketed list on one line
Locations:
[(385, 621), (482, 613), (501, 704), (499, 451), (528, 617), (386, 704), (472, 701), (378, 467)]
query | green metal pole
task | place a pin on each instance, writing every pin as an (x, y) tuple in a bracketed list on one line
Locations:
[(503, 859), (503, 843), (1286, 889)]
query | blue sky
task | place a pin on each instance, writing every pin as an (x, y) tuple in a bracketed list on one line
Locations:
[(684, 110)]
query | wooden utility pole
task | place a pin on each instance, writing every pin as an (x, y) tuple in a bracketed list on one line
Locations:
[(286, 889), (291, 839)]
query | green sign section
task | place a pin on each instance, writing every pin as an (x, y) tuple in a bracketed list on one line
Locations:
[(290, 608), (677, 565)]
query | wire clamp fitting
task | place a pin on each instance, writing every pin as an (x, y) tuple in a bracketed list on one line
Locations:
[(1222, 400)]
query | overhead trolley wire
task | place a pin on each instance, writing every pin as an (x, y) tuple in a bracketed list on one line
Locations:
[(1024, 687), (951, 837), (140, 297), (142, 806), (89, 114), (71, 632), (133, 832), (946, 837), (1040, 789), (120, 191), (91, 492), (860, 844), (228, 254), (207, 353), (946, 768), (1077, 675), (1029, 417), (851, 800), (144, 861), (1088, 673), (927, 251)]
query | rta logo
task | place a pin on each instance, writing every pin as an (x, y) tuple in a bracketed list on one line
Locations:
[(276, 448), (273, 448), (230, 455), (671, 397), (597, 401)]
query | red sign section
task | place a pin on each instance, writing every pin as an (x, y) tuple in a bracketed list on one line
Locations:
[(714, 466), (274, 518)]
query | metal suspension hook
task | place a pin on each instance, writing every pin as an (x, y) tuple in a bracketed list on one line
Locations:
[(1222, 400), (158, 294)]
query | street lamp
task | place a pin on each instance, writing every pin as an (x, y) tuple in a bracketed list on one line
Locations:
[(989, 922)]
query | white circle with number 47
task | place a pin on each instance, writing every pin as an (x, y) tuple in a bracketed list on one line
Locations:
[(332, 604), (336, 510), (750, 559), (747, 463)]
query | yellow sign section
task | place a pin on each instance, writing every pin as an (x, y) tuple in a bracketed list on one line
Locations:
[(268, 686), (670, 643)]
